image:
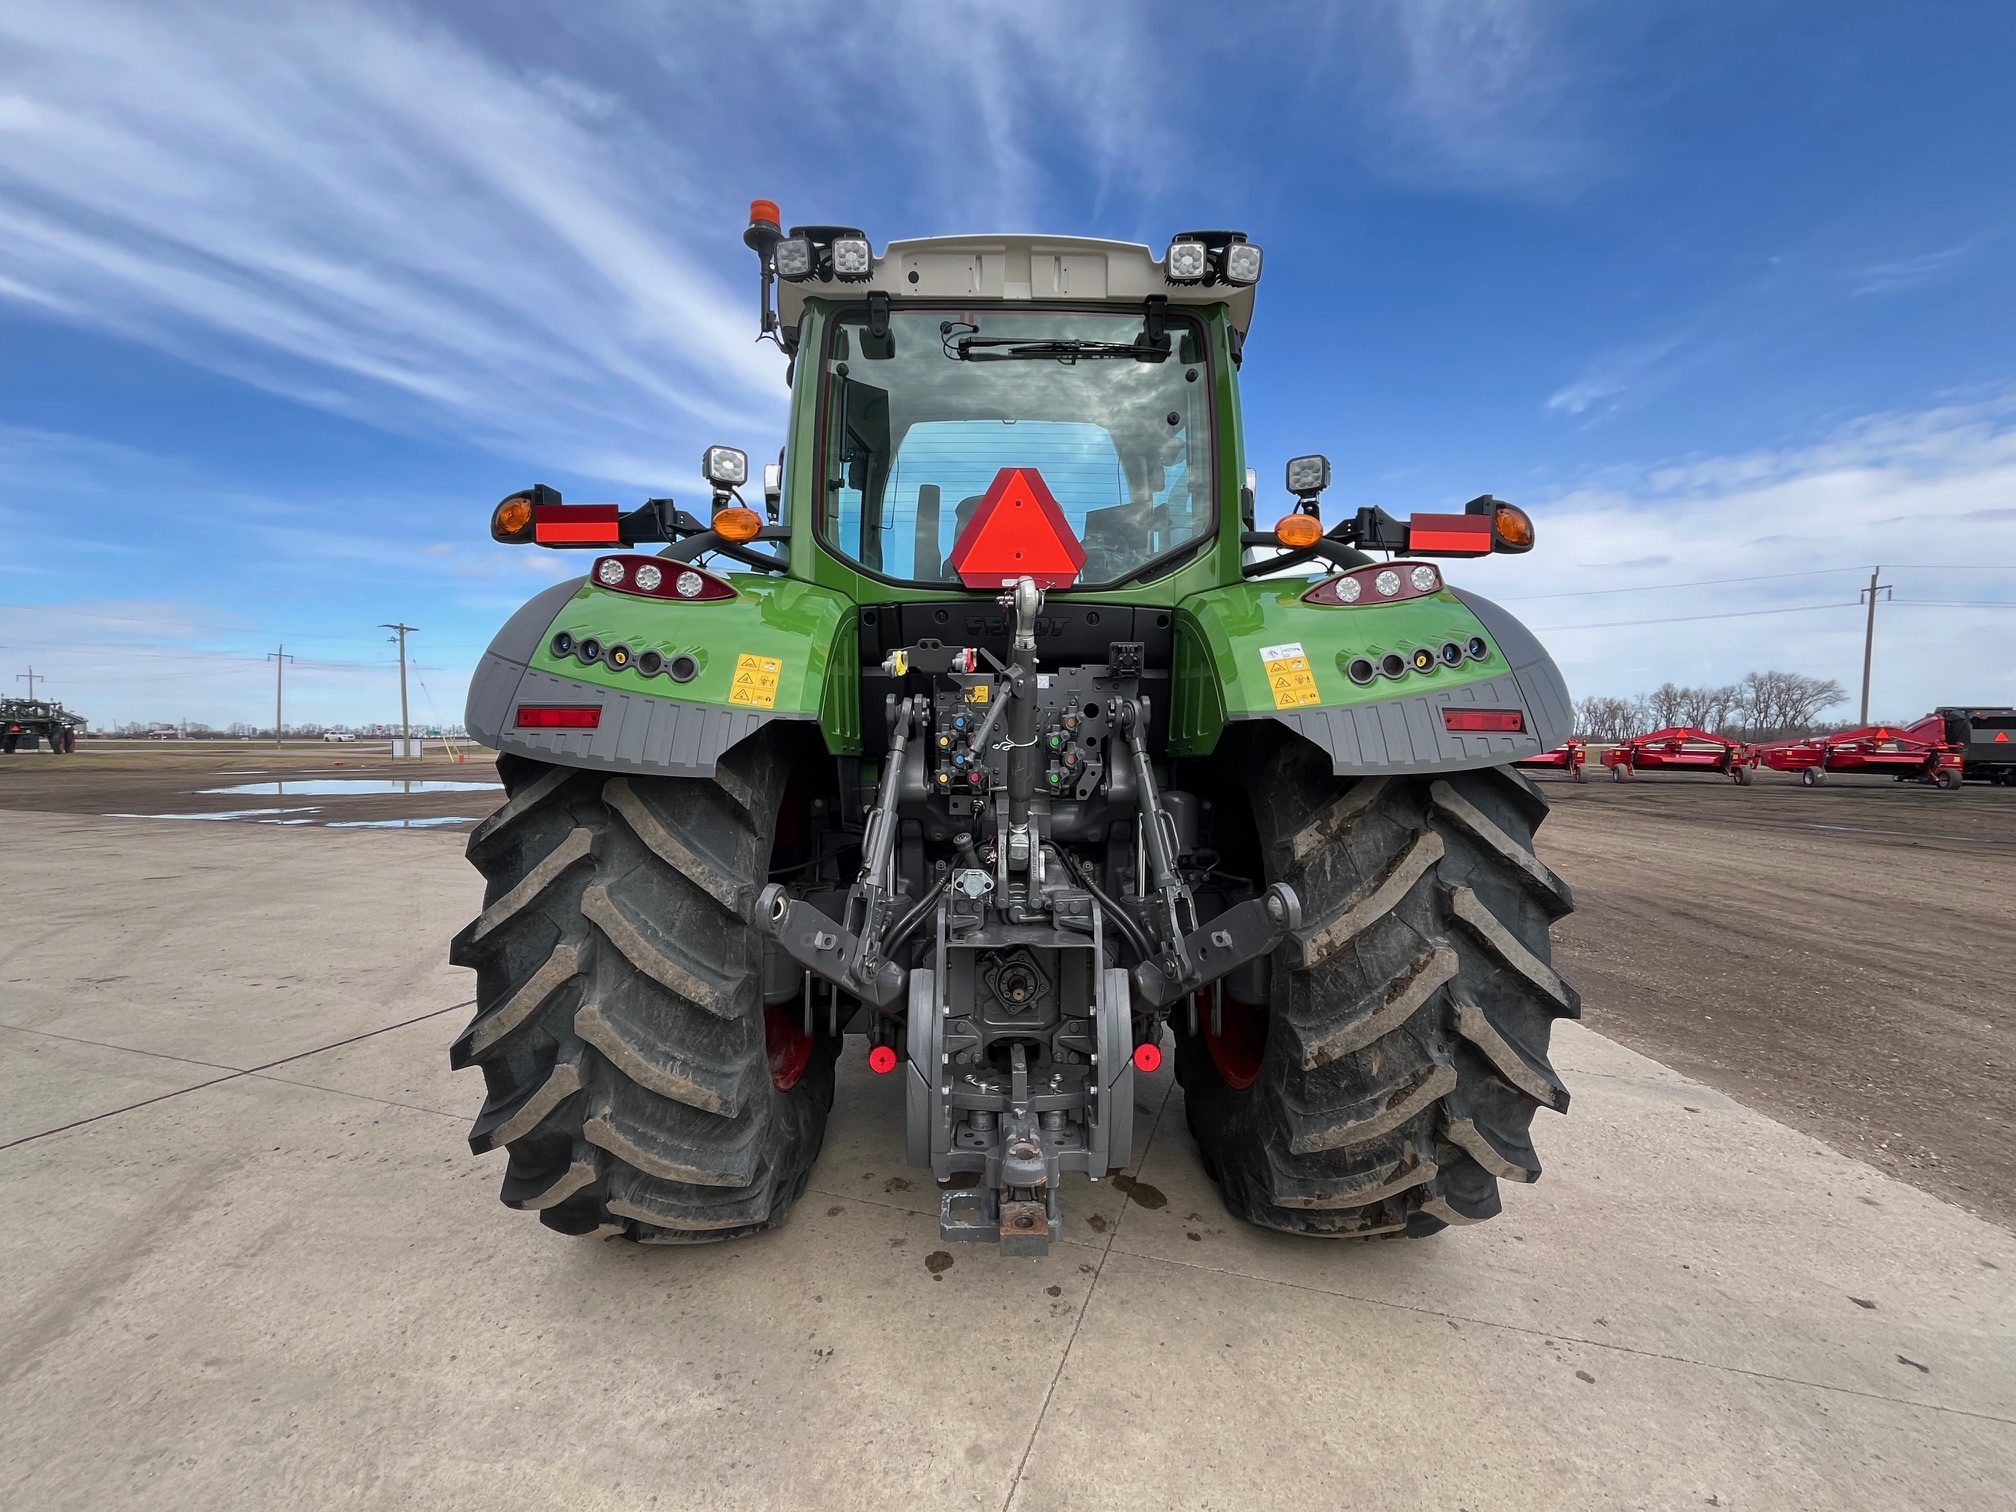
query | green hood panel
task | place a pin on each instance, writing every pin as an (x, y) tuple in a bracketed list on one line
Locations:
[(1220, 673)]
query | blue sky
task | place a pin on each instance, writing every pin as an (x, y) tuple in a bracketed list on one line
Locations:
[(290, 294)]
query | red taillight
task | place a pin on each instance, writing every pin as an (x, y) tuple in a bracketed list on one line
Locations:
[(1376, 585), (1484, 721), (556, 717), (1449, 534), (576, 525), (881, 1060), (659, 578)]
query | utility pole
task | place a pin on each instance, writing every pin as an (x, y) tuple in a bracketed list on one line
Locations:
[(1869, 636), (29, 678), (279, 659), (405, 722)]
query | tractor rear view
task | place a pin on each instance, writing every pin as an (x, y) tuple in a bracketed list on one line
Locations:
[(996, 738)]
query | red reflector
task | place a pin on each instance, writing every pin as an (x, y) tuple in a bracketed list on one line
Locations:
[(549, 717), (1449, 534), (1018, 531), (1496, 721), (1147, 1058), (881, 1060), (576, 525)]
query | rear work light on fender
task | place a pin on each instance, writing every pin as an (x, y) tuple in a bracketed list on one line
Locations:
[(556, 717), (1484, 721), (658, 578), (1386, 584)]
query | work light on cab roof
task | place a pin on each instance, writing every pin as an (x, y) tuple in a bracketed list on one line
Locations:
[(1002, 746)]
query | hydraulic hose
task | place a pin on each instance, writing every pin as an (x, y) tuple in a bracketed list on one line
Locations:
[(1119, 915), (910, 921)]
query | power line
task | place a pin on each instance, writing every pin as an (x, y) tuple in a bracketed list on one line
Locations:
[(1768, 577), (1683, 619)]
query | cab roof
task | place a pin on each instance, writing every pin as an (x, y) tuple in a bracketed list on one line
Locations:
[(1017, 268)]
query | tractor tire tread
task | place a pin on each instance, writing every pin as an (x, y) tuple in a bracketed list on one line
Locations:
[(1410, 1016), (620, 1023)]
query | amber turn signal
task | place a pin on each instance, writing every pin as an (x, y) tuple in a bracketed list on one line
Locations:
[(1514, 531), (1298, 530), (735, 523), (512, 519)]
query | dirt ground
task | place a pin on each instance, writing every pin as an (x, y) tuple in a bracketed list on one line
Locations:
[(1840, 957), (1837, 957), (304, 783)]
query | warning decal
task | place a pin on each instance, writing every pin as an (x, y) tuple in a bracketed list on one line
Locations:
[(755, 685), (1288, 675)]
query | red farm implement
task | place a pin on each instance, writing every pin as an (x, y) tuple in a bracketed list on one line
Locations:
[(1919, 752), (1679, 749), (1569, 758)]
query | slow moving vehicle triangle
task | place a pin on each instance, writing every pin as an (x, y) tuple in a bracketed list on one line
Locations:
[(1018, 531)]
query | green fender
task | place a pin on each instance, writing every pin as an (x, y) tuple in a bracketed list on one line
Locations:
[(781, 649), (1256, 651)]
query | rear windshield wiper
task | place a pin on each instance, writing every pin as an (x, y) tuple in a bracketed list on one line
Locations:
[(964, 344)]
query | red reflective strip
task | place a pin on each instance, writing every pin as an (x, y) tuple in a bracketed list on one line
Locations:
[(575, 535), (577, 524), (1509, 721), (536, 717), (1450, 534)]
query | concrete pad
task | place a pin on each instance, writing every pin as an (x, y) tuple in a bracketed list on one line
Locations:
[(296, 1287), (405, 1066), (1675, 1222), (47, 1081), (291, 1296), (1187, 1388), (238, 945)]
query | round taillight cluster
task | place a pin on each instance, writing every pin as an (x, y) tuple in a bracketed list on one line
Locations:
[(1388, 584), (651, 577)]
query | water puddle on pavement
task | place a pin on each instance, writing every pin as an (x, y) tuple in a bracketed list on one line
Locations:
[(260, 815), (402, 823), (330, 787)]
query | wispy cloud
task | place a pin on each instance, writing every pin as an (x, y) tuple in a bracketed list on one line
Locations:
[(1615, 380), (1483, 95), (387, 217), (366, 213), (1906, 273)]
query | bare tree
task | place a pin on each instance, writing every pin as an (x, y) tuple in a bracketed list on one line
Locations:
[(1663, 705), (1709, 708), (1777, 705), (1608, 719)]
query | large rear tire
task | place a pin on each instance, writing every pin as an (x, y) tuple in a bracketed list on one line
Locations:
[(1389, 1082), (634, 1074)]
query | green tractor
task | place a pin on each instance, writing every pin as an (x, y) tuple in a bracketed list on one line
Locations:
[(1004, 739)]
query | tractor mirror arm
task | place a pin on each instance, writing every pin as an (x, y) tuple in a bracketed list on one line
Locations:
[(1330, 548), (687, 548)]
